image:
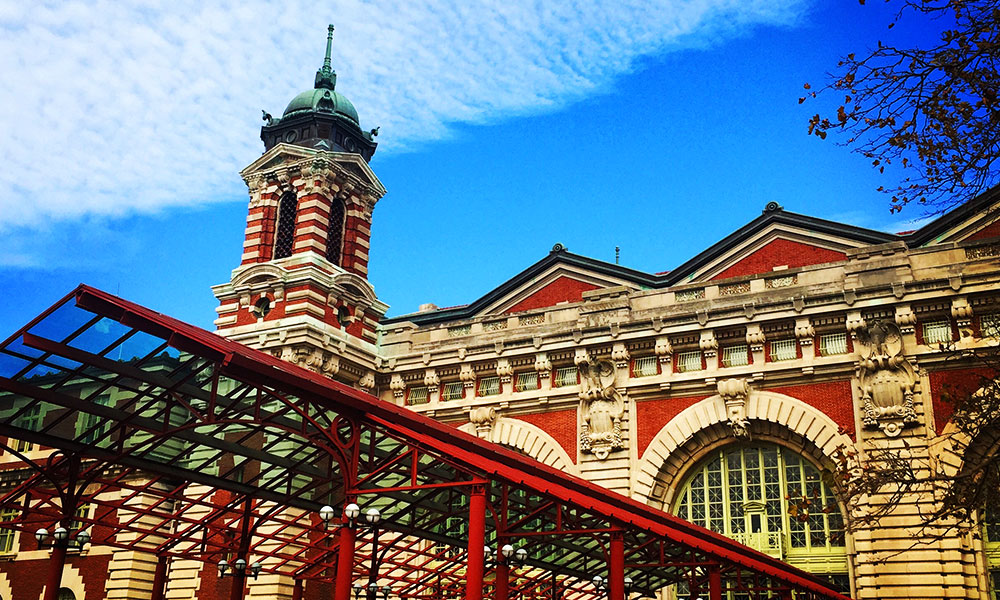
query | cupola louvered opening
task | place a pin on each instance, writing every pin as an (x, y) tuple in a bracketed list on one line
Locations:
[(284, 238), (335, 233)]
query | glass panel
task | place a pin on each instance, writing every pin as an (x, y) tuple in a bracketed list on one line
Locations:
[(989, 326), (831, 344), (937, 332), (783, 350), (735, 356)]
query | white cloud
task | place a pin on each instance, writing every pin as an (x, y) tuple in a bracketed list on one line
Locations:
[(110, 107)]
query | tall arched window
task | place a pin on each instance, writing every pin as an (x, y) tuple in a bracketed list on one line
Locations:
[(773, 500), (66, 594), (335, 233), (284, 237)]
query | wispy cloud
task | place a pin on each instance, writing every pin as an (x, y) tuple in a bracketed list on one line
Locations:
[(113, 107)]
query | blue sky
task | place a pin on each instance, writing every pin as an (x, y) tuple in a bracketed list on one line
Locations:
[(655, 127)]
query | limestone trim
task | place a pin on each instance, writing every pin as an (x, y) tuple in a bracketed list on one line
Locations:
[(788, 413), (530, 440), (71, 580), (5, 590)]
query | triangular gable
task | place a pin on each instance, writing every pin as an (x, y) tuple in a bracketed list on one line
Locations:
[(559, 277), (288, 154), (775, 240), (978, 219)]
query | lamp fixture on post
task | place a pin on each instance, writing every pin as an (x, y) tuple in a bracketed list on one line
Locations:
[(370, 520), (506, 554), (601, 584), (61, 538), (238, 568)]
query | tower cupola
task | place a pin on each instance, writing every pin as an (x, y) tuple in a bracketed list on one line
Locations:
[(321, 118)]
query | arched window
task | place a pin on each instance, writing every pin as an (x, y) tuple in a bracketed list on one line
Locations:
[(66, 594), (284, 237), (773, 500), (991, 542), (335, 233)]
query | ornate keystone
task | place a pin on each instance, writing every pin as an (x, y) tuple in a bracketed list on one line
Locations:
[(734, 393), (906, 320), (484, 418), (504, 370), (708, 344), (431, 378), (468, 376), (367, 382), (619, 354), (804, 331), (663, 350), (543, 365), (755, 338), (961, 311), (397, 385)]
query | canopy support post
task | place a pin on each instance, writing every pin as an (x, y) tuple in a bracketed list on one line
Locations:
[(345, 563), (477, 542), (160, 577), (56, 562), (715, 583), (616, 566)]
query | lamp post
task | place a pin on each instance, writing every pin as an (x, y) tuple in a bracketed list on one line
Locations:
[(601, 584), (371, 520), (506, 557), (59, 541), (238, 571)]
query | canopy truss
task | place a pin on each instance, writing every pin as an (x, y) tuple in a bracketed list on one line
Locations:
[(188, 446)]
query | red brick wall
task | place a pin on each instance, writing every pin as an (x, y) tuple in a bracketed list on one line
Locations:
[(834, 399), (562, 289), (991, 230), (949, 388), (652, 415), (560, 424), (28, 577), (781, 252)]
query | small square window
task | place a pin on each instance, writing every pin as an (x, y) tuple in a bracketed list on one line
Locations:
[(489, 386), (8, 536), (831, 344), (937, 332), (735, 356), (526, 380), (783, 350), (566, 376), (645, 366), (989, 326), (416, 395), (689, 361), (453, 391)]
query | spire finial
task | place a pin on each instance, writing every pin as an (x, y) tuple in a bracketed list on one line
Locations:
[(326, 77)]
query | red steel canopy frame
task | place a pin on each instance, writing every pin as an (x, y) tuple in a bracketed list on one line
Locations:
[(185, 445)]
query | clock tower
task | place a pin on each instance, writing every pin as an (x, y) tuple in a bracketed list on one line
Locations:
[(301, 290)]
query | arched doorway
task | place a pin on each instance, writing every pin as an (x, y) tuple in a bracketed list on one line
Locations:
[(772, 499)]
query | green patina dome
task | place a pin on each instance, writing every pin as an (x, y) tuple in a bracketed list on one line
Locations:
[(322, 99)]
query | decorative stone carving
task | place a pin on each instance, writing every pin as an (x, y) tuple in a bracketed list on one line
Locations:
[(504, 370), (581, 357), (367, 382), (484, 418), (855, 323), (734, 393), (755, 338), (619, 354), (543, 365), (961, 312), (708, 344), (905, 319), (804, 332), (397, 385), (431, 378), (468, 376), (886, 379), (663, 350), (601, 406)]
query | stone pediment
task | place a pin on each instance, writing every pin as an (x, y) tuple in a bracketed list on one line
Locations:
[(289, 158)]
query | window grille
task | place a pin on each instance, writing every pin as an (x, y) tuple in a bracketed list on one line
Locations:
[(284, 238), (489, 386), (526, 380), (783, 350), (416, 395), (989, 326), (335, 232), (31, 420), (831, 344), (735, 356), (566, 376), (93, 428), (8, 536), (453, 391), (689, 361), (644, 366), (937, 332)]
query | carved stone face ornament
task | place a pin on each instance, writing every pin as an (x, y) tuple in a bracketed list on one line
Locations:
[(886, 379)]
